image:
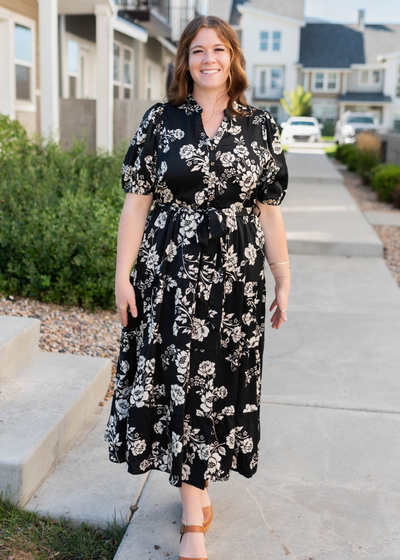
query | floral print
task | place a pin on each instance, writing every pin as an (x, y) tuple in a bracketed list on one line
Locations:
[(188, 383)]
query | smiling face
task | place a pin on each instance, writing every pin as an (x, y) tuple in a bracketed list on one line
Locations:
[(209, 60)]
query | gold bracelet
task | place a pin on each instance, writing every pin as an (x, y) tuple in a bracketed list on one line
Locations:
[(283, 262), (285, 276)]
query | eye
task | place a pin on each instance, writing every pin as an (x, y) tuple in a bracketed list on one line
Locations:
[(220, 49), (195, 52)]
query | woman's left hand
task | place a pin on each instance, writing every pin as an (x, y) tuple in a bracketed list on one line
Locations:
[(282, 288)]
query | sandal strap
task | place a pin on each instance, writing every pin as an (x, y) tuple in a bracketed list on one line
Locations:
[(191, 529)]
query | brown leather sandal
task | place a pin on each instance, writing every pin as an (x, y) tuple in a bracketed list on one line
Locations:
[(208, 514), (191, 529)]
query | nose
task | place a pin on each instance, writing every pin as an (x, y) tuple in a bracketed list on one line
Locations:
[(208, 56)]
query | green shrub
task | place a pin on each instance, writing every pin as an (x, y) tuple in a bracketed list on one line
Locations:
[(344, 151), (59, 219), (367, 160), (385, 181), (352, 159)]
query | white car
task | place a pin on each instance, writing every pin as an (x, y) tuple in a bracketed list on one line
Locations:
[(301, 129), (351, 124)]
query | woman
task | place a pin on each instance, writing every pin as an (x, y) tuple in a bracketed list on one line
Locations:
[(188, 384)]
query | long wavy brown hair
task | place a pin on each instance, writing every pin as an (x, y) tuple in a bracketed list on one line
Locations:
[(182, 82)]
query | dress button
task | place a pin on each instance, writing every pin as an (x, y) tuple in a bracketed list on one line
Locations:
[(212, 163), (212, 148)]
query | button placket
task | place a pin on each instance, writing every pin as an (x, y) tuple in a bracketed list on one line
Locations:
[(211, 190)]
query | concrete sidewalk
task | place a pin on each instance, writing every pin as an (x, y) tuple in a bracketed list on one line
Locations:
[(328, 482)]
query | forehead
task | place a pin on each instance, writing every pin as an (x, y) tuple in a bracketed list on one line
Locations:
[(207, 36)]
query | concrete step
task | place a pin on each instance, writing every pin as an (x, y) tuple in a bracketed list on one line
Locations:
[(19, 339), (43, 408), (321, 217), (86, 486)]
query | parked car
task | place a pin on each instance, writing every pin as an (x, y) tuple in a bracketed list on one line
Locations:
[(351, 124), (301, 129)]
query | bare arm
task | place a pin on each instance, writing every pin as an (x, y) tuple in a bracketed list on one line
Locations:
[(130, 234), (276, 251)]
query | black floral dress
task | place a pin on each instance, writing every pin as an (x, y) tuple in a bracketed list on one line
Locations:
[(188, 383)]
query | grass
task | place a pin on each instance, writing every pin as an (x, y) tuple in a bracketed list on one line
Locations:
[(25, 535), (327, 138), (330, 151)]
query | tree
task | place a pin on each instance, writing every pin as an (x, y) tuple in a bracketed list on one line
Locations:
[(297, 102)]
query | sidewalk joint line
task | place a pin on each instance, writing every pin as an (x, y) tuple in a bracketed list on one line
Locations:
[(358, 409), (285, 547)]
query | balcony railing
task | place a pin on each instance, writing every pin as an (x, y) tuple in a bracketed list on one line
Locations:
[(141, 9)]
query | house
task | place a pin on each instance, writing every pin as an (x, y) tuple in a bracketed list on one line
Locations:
[(345, 67), (352, 68), (70, 65), (269, 32)]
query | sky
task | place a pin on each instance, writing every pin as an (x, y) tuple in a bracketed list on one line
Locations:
[(344, 11)]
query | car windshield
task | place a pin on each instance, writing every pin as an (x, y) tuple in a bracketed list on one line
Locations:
[(367, 120), (302, 123)]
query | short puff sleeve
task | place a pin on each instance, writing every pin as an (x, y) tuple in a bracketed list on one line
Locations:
[(139, 170), (275, 178)]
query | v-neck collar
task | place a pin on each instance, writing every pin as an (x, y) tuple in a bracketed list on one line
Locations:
[(192, 105)]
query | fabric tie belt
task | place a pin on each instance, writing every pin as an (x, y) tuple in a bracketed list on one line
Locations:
[(212, 226)]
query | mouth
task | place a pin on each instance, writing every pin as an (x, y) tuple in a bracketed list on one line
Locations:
[(209, 72)]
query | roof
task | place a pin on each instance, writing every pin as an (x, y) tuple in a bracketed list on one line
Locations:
[(288, 8), (333, 45), (220, 8), (369, 97)]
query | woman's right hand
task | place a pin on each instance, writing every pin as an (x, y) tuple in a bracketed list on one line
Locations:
[(124, 296)]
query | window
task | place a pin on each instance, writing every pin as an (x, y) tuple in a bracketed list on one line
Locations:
[(23, 62), (276, 78), (332, 79), (398, 81), (268, 82), (325, 81), (276, 41), (73, 58), (263, 81), (123, 72), (117, 64), (369, 77), (319, 80), (128, 82), (264, 40)]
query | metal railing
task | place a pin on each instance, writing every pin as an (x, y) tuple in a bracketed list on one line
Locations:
[(159, 6)]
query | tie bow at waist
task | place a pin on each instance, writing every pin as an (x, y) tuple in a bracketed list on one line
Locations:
[(213, 224)]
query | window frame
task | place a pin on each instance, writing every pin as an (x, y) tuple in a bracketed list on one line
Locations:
[(121, 84), (86, 49), (263, 40), (370, 73), (268, 90), (325, 81), (8, 85), (276, 41), (125, 85)]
